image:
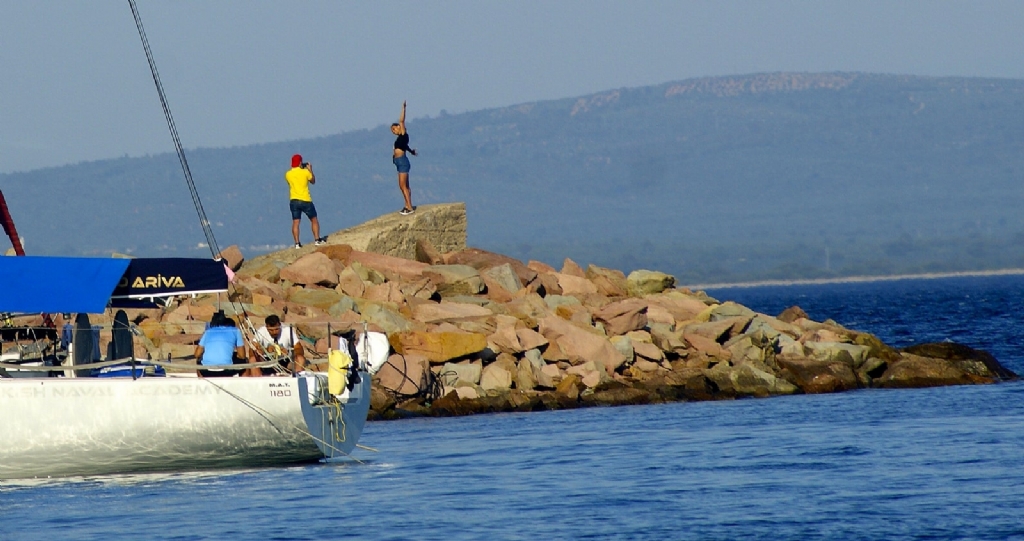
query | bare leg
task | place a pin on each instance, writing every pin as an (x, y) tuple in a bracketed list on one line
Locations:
[(403, 184), (295, 230), (316, 227), (299, 354), (254, 371)]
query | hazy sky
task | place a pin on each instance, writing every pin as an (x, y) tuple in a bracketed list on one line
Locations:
[(75, 85)]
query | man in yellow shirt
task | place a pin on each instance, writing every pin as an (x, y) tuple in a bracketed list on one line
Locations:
[(299, 177)]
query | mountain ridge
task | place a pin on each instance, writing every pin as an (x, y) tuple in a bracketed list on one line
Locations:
[(884, 173)]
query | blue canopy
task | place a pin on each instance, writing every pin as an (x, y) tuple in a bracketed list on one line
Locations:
[(32, 284)]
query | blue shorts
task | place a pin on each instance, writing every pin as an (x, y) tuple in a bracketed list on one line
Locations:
[(298, 207), (402, 163)]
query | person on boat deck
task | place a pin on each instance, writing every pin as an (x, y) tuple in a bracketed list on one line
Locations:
[(401, 161), (283, 342), (299, 177), (220, 345)]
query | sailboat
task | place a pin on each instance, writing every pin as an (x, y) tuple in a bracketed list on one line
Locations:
[(60, 421)]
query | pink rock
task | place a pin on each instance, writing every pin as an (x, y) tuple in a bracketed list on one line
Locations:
[(495, 291), (497, 376), (506, 340), (178, 315), (623, 316), (580, 345), (648, 350), (530, 339), (706, 345), (350, 283), (658, 314), (447, 311), (404, 374), (232, 255), (427, 253), (571, 268), (407, 269), (682, 307), (719, 331), (575, 285), (549, 376), (539, 267), (313, 268), (386, 292), (483, 260)]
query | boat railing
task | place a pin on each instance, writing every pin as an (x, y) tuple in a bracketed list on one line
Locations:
[(39, 350)]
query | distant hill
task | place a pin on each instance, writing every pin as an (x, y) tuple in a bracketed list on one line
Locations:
[(764, 176)]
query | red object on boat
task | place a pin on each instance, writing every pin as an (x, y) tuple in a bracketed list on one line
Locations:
[(8, 223)]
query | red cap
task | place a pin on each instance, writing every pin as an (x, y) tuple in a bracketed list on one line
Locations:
[(296, 160)]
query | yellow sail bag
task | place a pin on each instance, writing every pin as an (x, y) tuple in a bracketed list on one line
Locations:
[(338, 363)]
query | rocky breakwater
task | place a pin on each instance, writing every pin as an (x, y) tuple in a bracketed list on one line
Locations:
[(474, 331)]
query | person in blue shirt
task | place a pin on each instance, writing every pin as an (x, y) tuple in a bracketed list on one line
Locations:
[(220, 345)]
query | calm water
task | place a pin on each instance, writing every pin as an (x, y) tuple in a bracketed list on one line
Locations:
[(905, 464)]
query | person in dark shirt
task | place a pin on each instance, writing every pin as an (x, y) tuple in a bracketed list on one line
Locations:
[(401, 161)]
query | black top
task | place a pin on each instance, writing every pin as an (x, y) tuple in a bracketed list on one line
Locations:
[(402, 142)]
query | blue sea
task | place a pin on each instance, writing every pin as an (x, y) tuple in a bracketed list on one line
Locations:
[(944, 463)]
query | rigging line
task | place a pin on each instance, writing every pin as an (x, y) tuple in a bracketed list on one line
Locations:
[(207, 230)]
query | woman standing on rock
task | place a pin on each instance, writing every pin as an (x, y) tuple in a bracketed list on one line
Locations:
[(401, 161)]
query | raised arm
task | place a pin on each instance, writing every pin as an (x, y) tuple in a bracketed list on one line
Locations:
[(401, 120)]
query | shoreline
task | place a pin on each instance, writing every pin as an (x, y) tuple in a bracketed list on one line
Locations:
[(857, 279)]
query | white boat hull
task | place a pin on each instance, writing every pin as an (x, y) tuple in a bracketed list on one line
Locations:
[(57, 427)]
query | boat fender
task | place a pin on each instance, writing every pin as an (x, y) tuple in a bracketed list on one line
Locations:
[(338, 363), (373, 348)]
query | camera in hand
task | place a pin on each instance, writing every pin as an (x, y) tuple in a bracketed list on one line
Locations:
[(305, 165)]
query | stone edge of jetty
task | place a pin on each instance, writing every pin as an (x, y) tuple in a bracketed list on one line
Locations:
[(474, 331)]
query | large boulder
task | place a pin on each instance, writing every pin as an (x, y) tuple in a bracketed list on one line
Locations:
[(530, 339), (719, 331), (465, 372), (383, 318), (622, 316), (575, 285), (917, 371), (350, 283), (404, 374), (430, 312), (609, 282), (311, 269), (232, 256), (427, 253), (645, 282), (451, 280), (336, 252), (748, 380), (499, 375), (318, 297), (443, 225), (505, 276), (439, 347), (265, 268), (483, 260), (529, 309), (579, 345), (390, 267), (813, 376), (972, 361), (853, 354)]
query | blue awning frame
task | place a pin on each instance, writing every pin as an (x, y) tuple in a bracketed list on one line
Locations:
[(33, 284)]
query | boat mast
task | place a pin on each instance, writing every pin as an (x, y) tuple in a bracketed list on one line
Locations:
[(8, 223), (207, 230)]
